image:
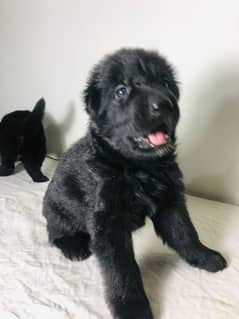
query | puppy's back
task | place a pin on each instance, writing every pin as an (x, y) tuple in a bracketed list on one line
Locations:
[(22, 122), (14, 122)]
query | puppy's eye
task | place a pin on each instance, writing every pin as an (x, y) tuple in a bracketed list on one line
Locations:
[(121, 91)]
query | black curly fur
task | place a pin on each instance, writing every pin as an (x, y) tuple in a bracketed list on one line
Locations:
[(22, 136), (108, 182)]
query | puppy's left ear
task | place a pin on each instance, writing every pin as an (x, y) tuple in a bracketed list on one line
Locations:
[(176, 90), (92, 97)]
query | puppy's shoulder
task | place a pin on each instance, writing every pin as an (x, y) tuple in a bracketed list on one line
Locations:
[(74, 160)]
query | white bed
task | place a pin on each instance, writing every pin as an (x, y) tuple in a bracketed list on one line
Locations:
[(37, 282)]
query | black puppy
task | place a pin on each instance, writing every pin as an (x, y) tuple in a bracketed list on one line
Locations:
[(123, 170), (22, 136)]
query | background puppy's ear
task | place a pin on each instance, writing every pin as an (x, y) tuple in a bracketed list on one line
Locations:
[(92, 96)]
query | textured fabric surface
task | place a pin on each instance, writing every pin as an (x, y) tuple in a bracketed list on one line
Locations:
[(37, 282)]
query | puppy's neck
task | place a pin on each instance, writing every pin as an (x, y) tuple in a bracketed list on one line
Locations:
[(104, 151)]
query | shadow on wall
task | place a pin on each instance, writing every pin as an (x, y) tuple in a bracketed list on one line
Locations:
[(210, 156), (56, 132)]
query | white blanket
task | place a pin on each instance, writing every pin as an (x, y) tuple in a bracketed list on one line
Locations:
[(36, 281)]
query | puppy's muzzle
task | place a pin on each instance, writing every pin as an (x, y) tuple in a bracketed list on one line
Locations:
[(158, 105)]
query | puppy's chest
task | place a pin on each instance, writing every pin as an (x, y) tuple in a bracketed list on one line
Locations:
[(145, 195)]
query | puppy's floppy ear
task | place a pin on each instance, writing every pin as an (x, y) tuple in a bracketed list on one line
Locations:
[(176, 90), (92, 95)]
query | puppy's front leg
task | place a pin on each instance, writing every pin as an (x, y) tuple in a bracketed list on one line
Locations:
[(173, 224), (112, 244)]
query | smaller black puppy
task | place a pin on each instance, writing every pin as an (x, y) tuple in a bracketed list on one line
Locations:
[(22, 136)]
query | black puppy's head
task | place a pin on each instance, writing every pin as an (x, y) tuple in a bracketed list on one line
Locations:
[(131, 98)]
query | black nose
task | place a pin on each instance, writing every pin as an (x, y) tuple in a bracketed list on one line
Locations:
[(155, 107), (158, 106)]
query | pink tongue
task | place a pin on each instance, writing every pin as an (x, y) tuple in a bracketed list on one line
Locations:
[(157, 138)]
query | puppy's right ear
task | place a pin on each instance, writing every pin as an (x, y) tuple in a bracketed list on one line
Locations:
[(92, 97)]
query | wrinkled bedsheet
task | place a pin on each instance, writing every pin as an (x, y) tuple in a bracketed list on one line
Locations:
[(37, 282)]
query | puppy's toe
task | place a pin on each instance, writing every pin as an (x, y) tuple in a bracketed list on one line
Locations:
[(78, 255)]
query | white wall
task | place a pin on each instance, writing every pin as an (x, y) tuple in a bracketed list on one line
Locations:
[(47, 48)]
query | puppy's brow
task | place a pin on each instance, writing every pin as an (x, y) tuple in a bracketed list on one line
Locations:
[(142, 66)]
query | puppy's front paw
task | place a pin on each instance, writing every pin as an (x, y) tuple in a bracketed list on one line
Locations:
[(40, 179), (210, 260), (132, 309), (214, 261), (5, 171)]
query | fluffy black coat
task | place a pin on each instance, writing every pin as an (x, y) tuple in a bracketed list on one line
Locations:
[(123, 170), (22, 138)]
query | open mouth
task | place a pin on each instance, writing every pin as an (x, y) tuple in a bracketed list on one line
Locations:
[(157, 139)]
